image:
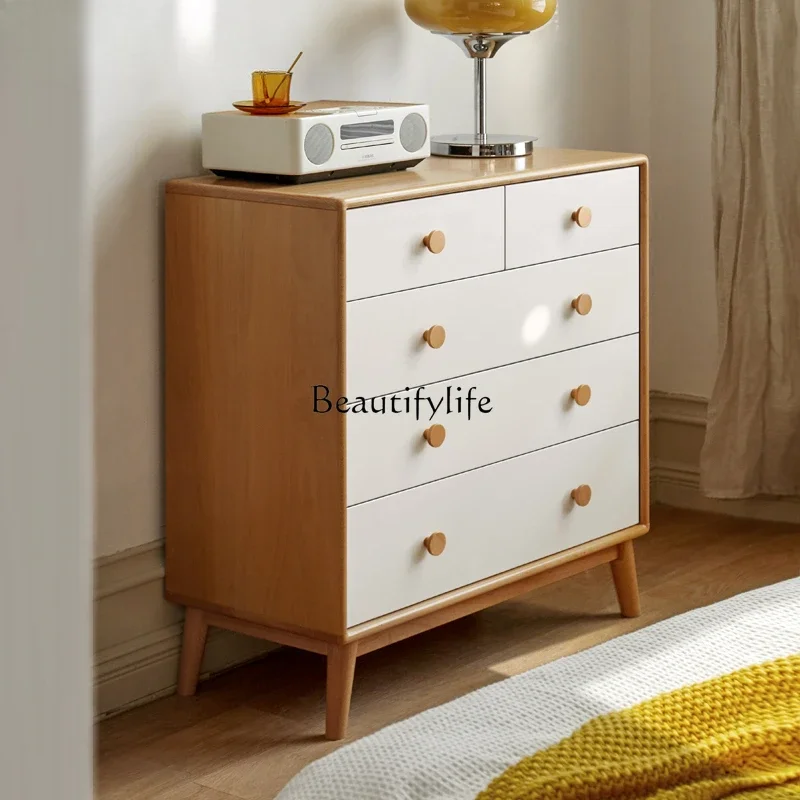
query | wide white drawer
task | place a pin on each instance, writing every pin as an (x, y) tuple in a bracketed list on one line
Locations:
[(530, 406), (386, 251), (489, 321), (539, 216), (495, 519)]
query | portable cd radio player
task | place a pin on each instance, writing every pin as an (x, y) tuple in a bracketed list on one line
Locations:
[(322, 140)]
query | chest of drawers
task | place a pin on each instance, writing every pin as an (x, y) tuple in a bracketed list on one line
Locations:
[(396, 400)]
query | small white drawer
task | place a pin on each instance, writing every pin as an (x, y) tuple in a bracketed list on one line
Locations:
[(494, 519), (386, 249), (539, 216), (489, 321), (531, 407)]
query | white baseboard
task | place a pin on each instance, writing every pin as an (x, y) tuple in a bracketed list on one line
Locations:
[(678, 427), (138, 633)]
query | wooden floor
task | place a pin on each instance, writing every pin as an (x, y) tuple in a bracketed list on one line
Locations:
[(247, 732)]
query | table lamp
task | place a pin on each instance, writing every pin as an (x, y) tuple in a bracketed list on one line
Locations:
[(480, 28)]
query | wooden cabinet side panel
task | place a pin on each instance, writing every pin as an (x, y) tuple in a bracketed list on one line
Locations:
[(255, 481), (644, 341)]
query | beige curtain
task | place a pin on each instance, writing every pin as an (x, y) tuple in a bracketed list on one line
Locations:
[(753, 441)]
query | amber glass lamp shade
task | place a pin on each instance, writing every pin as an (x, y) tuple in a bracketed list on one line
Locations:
[(481, 16)]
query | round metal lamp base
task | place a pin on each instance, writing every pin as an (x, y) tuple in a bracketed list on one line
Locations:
[(470, 145)]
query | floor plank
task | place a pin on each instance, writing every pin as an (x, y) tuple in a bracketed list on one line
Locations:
[(247, 732)]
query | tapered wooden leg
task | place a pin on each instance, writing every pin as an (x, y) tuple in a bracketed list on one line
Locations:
[(341, 668), (625, 582), (195, 630)]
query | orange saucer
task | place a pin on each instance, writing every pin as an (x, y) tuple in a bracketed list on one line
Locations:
[(252, 108)]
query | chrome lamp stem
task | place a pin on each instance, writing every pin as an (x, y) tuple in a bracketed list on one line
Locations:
[(480, 99), (481, 144)]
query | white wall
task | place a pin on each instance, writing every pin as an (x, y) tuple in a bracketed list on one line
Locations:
[(682, 78), (45, 407), (156, 66)]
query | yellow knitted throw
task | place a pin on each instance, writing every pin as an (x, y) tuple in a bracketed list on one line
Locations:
[(737, 736)]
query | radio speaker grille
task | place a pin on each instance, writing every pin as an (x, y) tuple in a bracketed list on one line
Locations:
[(413, 132), (319, 144)]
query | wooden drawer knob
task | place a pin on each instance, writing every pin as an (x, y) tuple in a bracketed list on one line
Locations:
[(435, 242), (582, 304), (435, 336), (582, 395), (435, 543), (583, 216), (435, 435), (582, 495)]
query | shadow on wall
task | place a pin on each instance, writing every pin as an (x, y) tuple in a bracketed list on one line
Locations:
[(361, 40), (587, 61), (128, 259)]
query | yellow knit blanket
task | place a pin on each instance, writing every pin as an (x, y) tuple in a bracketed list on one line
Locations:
[(737, 736)]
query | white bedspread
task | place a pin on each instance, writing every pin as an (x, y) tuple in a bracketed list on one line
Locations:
[(452, 752)]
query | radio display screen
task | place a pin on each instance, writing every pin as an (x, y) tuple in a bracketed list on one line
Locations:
[(363, 130)]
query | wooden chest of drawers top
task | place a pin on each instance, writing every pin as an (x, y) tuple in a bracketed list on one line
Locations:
[(436, 176)]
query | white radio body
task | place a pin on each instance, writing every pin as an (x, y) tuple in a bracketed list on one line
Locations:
[(324, 139)]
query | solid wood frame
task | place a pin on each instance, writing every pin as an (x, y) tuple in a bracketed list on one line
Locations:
[(307, 609)]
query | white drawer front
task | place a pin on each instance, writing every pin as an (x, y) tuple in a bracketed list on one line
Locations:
[(495, 519), (531, 407), (386, 253), (539, 216), (489, 321)]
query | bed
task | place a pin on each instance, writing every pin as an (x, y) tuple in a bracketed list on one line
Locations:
[(454, 751)]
